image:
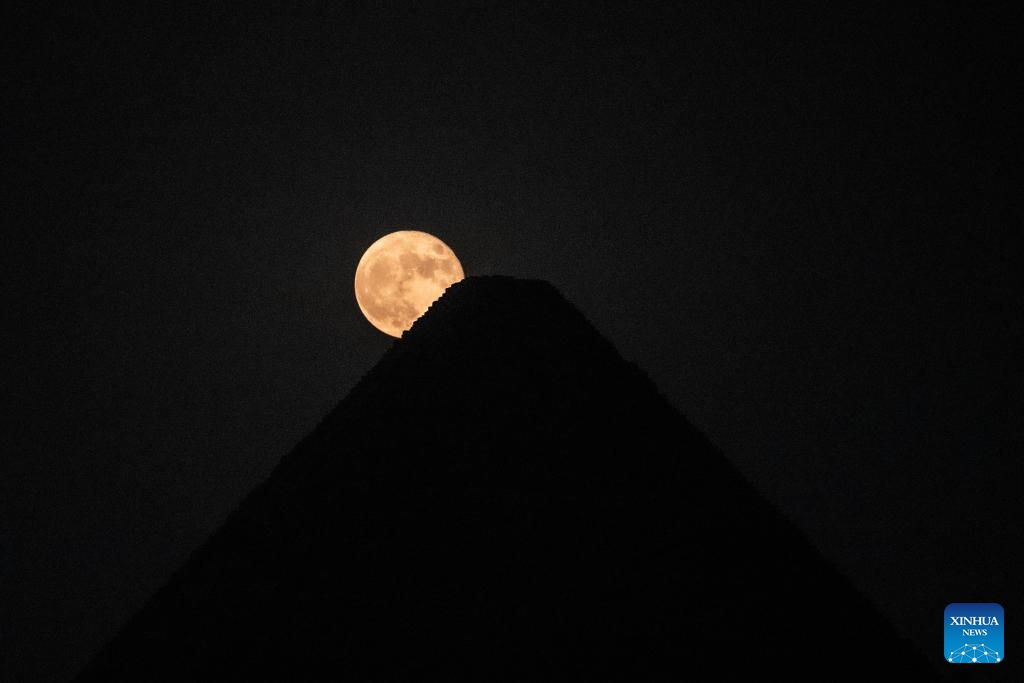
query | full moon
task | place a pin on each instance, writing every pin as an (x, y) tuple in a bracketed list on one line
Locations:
[(400, 275)]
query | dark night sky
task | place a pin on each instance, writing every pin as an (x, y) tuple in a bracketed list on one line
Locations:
[(796, 221)]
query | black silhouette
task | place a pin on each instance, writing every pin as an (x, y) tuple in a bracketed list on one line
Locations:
[(504, 498)]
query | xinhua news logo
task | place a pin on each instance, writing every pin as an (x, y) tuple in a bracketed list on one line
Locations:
[(974, 633)]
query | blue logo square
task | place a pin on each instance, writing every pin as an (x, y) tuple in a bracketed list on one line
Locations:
[(973, 633)]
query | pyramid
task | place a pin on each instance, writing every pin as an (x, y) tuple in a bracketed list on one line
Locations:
[(503, 497)]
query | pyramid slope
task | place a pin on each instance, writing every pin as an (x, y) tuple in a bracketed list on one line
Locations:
[(503, 497)]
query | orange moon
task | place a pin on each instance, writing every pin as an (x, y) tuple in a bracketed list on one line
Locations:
[(400, 275)]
